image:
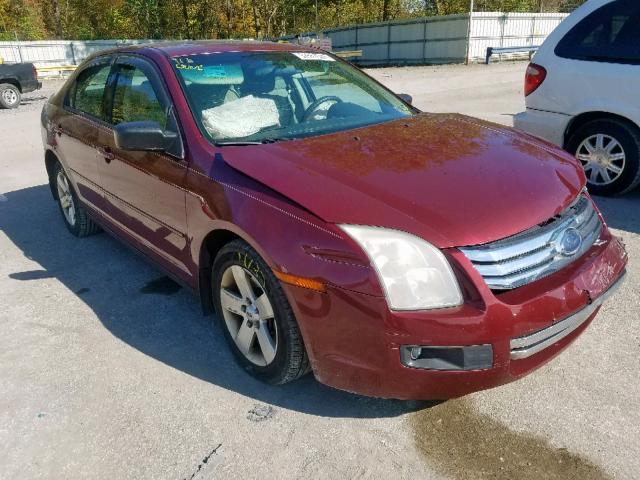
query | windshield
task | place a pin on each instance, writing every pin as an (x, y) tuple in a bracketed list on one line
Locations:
[(270, 96)]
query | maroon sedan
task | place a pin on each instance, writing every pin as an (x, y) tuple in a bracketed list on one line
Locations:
[(329, 225)]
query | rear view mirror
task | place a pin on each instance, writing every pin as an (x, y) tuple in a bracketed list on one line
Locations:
[(406, 97), (144, 136)]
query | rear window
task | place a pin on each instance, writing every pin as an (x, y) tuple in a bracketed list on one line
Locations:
[(609, 34)]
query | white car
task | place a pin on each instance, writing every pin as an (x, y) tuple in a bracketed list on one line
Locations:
[(583, 92)]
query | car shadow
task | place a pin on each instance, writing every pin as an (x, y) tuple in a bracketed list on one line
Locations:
[(26, 100), (621, 213), (152, 314)]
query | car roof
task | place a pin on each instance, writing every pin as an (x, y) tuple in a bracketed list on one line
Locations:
[(201, 47), (193, 47)]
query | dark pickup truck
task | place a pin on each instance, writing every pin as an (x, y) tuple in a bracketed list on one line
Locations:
[(16, 79)]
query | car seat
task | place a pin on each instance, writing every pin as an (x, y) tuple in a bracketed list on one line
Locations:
[(260, 82)]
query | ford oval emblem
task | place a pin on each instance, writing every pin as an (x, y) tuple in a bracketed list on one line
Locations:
[(570, 242)]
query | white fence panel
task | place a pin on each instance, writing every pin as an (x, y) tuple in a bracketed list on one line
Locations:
[(443, 39), (53, 53), (497, 29)]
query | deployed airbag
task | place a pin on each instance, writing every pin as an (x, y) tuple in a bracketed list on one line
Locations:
[(241, 118)]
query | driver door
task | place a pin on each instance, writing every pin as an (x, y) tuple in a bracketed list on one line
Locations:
[(144, 191)]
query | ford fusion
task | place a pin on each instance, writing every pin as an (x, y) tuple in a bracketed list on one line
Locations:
[(330, 226)]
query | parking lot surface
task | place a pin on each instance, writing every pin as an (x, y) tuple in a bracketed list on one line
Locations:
[(109, 370)]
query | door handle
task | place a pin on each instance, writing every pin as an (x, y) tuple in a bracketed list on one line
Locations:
[(106, 153)]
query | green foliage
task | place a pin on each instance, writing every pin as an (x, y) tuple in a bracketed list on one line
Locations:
[(183, 19), (22, 17)]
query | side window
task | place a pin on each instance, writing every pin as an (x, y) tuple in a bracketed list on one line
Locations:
[(610, 34), (88, 93), (135, 100)]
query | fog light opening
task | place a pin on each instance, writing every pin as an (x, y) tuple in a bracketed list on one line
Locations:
[(429, 357)]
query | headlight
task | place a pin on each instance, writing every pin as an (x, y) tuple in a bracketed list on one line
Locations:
[(415, 275)]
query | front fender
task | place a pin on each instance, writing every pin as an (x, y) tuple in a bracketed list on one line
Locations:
[(290, 239)]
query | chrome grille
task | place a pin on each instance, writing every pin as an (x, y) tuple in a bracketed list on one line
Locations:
[(540, 251)]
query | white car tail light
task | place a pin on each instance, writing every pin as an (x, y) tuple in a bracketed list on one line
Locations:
[(533, 79)]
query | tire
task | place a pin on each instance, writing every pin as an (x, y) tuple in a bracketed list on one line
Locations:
[(619, 150), (253, 324), (74, 215), (10, 96)]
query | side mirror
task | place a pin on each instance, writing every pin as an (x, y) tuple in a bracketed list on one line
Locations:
[(406, 97), (144, 136)]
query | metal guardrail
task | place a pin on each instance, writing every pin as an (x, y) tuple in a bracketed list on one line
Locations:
[(348, 53), (56, 70), (500, 50)]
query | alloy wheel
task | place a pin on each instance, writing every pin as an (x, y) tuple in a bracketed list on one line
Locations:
[(66, 198), (248, 315), (603, 159)]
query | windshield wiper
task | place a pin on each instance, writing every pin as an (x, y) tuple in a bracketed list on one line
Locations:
[(235, 143)]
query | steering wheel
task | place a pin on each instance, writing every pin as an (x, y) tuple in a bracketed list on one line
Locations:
[(312, 110)]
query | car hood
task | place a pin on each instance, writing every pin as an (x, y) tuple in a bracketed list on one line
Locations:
[(450, 179)]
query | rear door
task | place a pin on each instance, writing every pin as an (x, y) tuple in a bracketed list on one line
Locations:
[(78, 127), (144, 190)]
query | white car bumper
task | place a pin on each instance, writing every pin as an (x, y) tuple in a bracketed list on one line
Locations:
[(547, 125)]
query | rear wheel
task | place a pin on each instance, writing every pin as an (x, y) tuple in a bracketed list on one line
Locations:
[(74, 215), (609, 151), (256, 317), (9, 95)]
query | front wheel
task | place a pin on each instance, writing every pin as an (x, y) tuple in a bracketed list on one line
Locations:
[(10, 96), (609, 151), (256, 317)]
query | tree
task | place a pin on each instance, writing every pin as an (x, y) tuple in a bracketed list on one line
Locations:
[(186, 19), (385, 10)]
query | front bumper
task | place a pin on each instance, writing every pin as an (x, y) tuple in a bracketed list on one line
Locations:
[(549, 126), (355, 342), (528, 345)]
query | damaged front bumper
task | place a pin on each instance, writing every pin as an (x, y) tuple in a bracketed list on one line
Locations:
[(356, 343), (528, 345)]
